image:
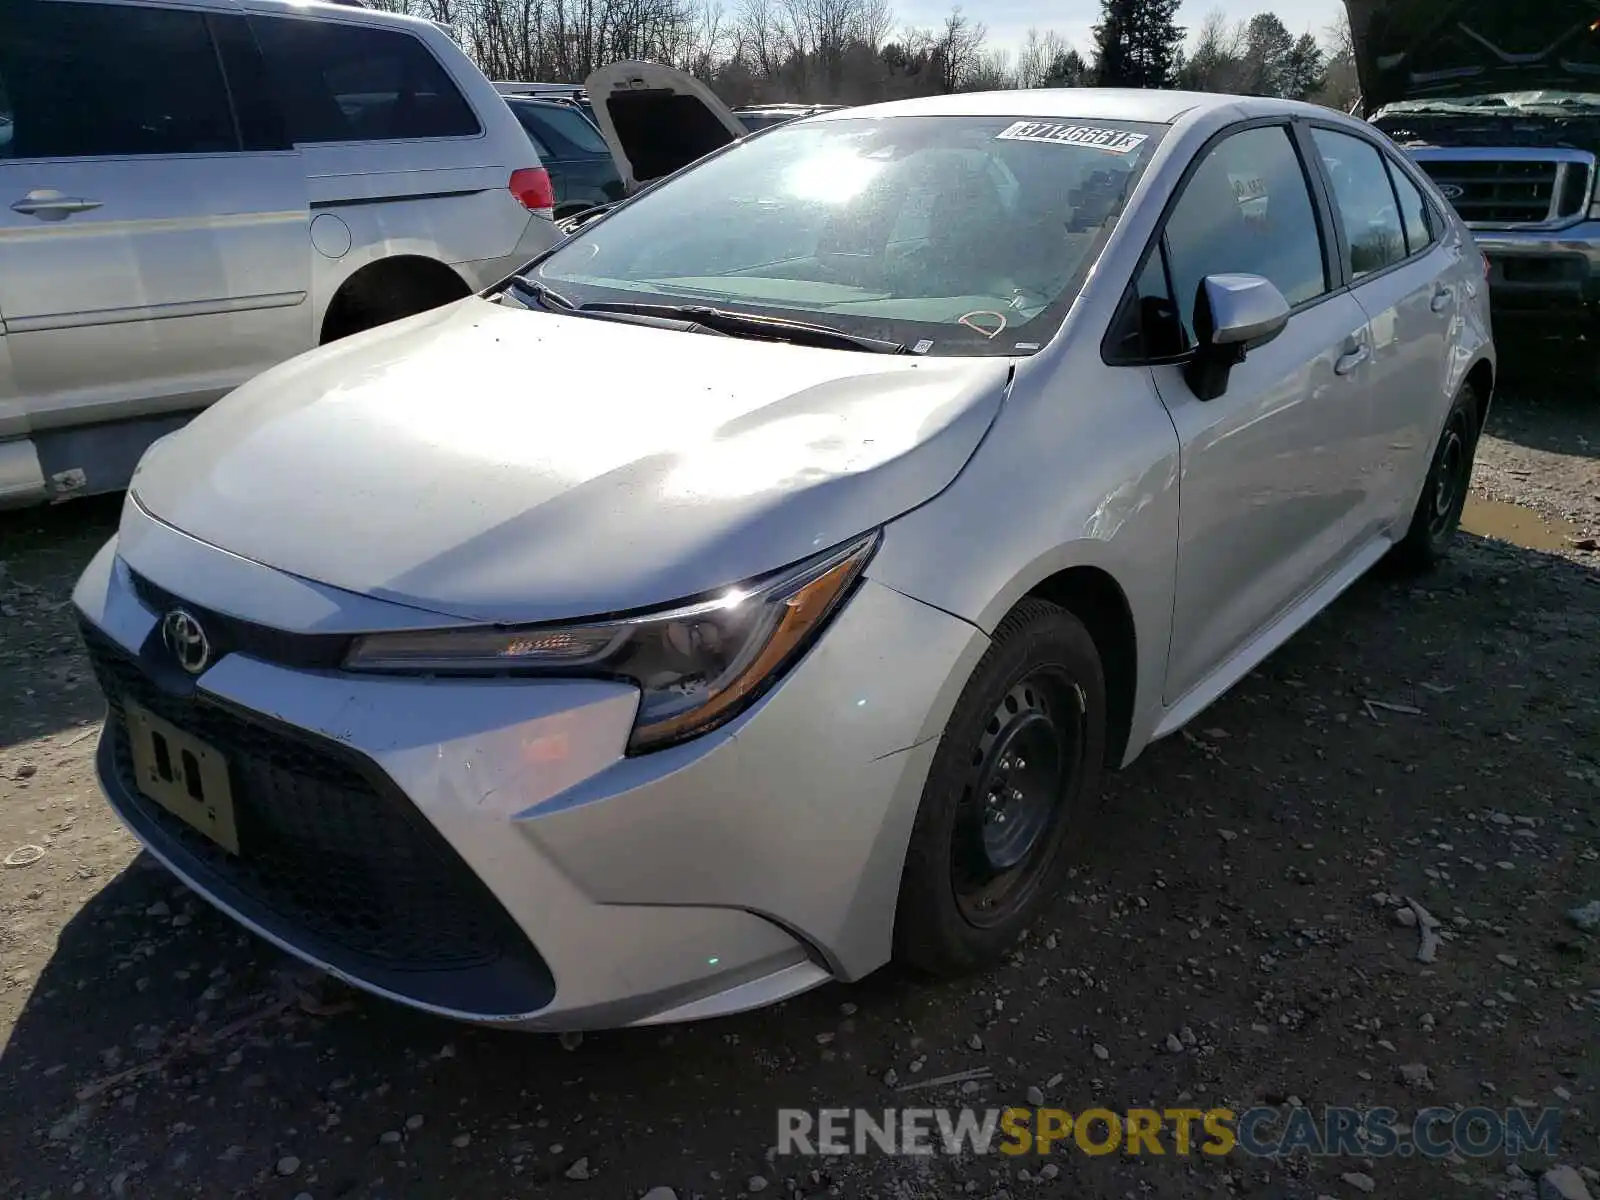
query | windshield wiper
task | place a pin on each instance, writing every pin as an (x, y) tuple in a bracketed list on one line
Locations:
[(546, 296), (735, 324)]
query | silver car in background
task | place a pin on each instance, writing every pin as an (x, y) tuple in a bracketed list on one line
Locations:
[(191, 193), (937, 457)]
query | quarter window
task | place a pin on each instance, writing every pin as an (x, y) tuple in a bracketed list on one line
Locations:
[(346, 83), (89, 80), (1146, 327), (1247, 210), (568, 124), (1365, 199)]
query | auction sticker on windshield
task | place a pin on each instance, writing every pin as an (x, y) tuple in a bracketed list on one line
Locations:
[(1116, 141)]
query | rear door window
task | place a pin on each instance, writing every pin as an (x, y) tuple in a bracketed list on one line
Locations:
[(346, 83), (1373, 233), (572, 127), (1413, 210), (529, 120), (95, 80)]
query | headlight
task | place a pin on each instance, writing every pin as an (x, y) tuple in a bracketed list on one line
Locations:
[(696, 666)]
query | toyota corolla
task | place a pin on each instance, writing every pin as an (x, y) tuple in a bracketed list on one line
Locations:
[(754, 589)]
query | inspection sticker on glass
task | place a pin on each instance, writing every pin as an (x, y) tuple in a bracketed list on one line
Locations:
[(1115, 141)]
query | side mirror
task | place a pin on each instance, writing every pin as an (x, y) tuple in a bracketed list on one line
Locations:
[(1233, 314)]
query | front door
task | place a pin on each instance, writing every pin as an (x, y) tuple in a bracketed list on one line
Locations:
[(153, 245), (1270, 498)]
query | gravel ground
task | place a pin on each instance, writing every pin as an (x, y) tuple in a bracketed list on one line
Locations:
[(1220, 945)]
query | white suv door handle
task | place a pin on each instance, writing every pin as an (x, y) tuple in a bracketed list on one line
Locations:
[(1349, 362), (52, 206), (1441, 299)]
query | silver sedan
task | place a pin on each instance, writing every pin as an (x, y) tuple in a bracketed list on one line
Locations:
[(756, 587)]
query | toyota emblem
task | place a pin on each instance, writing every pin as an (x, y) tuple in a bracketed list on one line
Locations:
[(187, 641), (1452, 191)]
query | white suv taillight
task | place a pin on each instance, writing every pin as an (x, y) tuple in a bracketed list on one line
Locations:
[(531, 186)]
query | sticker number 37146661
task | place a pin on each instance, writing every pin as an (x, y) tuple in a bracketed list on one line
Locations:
[(1114, 141)]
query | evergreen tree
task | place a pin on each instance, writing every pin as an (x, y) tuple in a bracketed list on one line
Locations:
[(1138, 43), (1267, 46), (1067, 70), (1305, 69)]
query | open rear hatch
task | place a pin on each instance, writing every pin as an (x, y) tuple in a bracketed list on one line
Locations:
[(1443, 49), (657, 120)]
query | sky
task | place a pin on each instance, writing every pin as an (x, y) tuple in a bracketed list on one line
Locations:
[(1008, 20)]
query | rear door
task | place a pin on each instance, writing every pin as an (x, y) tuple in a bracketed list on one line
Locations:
[(1271, 505), (153, 249), (657, 120), (1404, 281)]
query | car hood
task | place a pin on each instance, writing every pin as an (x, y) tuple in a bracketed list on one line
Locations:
[(657, 120), (1417, 49), (501, 465)]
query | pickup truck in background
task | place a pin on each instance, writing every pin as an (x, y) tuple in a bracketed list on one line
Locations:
[(1500, 104)]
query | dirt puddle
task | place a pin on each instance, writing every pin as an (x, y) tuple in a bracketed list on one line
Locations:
[(1517, 525)]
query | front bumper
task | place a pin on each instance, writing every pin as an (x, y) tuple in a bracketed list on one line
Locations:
[(1543, 274), (483, 849)]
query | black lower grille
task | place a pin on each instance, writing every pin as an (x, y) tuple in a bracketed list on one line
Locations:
[(332, 858)]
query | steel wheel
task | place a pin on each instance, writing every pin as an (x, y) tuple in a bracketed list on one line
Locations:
[(1451, 477), (1437, 517), (1010, 795), (1030, 751)]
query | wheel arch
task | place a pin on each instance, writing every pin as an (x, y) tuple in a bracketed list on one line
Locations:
[(1094, 597), (421, 274), (1481, 376)]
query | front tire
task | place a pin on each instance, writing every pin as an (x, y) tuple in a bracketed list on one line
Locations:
[(1014, 783), (1444, 493)]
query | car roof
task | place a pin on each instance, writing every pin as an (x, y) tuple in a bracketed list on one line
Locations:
[(333, 10), (329, 10), (1107, 104)]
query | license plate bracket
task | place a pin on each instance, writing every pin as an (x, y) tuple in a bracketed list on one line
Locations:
[(183, 774)]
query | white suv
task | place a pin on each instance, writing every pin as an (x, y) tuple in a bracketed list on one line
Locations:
[(190, 193)]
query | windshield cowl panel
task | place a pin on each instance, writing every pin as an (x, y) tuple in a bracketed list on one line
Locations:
[(949, 235)]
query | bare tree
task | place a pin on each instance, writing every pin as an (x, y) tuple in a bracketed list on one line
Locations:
[(1038, 52), (1217, 62), (875, 18), (1341, 87), (956, 49), (990, 71), (760, 37)]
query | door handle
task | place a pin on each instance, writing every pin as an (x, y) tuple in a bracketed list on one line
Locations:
[(1441, 299), (1349, 362), (53, 207)]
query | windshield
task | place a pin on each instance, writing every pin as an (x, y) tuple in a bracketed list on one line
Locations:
[(949, 235), (1509, 102)]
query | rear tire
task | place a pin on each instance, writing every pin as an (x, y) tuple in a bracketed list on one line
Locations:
[(1437, 517), (1014, 783)]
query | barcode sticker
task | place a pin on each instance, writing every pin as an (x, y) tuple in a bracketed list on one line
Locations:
[(1113, 141)]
